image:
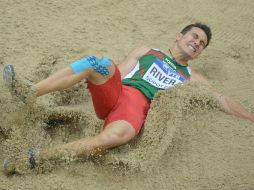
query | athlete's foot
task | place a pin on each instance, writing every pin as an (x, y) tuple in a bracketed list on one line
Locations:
[(32, 158), (24, 91), (9, 75), (10, 166)]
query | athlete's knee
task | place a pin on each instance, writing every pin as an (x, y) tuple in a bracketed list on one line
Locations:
[(113, 138), (97, 63), (99, 56), (109, 137)]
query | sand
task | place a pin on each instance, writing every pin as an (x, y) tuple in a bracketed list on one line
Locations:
[(186, 143)]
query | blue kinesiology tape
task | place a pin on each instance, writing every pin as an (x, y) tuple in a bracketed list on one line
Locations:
[(98, 65)]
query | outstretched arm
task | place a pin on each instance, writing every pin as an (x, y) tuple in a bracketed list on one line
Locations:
[(226, 104), (232, 106)]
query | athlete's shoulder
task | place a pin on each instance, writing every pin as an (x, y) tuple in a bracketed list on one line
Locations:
[(143, 48), (156, 49), (189, 69), (139, 52), (147, 49), (197, 76)]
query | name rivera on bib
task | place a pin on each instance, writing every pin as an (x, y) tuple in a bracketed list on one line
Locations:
[(161, 75)]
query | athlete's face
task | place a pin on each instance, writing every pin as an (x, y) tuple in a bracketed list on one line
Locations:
[(192, 43)]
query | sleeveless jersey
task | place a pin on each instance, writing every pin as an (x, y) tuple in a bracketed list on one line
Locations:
[(156, 71)]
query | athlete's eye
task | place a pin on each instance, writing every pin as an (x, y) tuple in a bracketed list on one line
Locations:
[(195, 36), (202, 43)]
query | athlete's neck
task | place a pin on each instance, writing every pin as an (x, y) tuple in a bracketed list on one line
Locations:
[(178, 57)]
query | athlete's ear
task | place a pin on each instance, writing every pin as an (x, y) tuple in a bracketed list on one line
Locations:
[(179, 36)]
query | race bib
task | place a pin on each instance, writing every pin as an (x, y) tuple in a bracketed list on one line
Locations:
[(161, 75)]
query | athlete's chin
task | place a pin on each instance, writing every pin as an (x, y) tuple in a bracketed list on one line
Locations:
[(192, 55), (189, 56)]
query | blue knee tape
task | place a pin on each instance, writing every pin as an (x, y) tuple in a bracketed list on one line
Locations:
[(98, 65)]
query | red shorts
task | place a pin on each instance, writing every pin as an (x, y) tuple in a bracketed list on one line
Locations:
[(114, 101)]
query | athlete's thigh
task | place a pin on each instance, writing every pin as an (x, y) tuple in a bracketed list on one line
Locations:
[(106, 95)]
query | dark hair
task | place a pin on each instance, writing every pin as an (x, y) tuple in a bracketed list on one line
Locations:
[(203, 27)]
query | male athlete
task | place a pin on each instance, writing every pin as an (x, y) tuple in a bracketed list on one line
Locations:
[(122, 93)]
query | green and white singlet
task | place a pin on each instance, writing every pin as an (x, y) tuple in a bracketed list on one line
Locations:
[(156, 71)]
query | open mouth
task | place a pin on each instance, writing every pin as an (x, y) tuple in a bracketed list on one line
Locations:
[(193, 48)]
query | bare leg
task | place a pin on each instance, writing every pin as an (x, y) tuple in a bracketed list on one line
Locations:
[(115, 134), (60, 80), (25, 90), (66, 78)]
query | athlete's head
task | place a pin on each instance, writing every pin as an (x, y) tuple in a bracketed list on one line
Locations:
[(203, 27), (193, 39)]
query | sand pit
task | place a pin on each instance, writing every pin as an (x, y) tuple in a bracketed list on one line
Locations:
[(186, 143)]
